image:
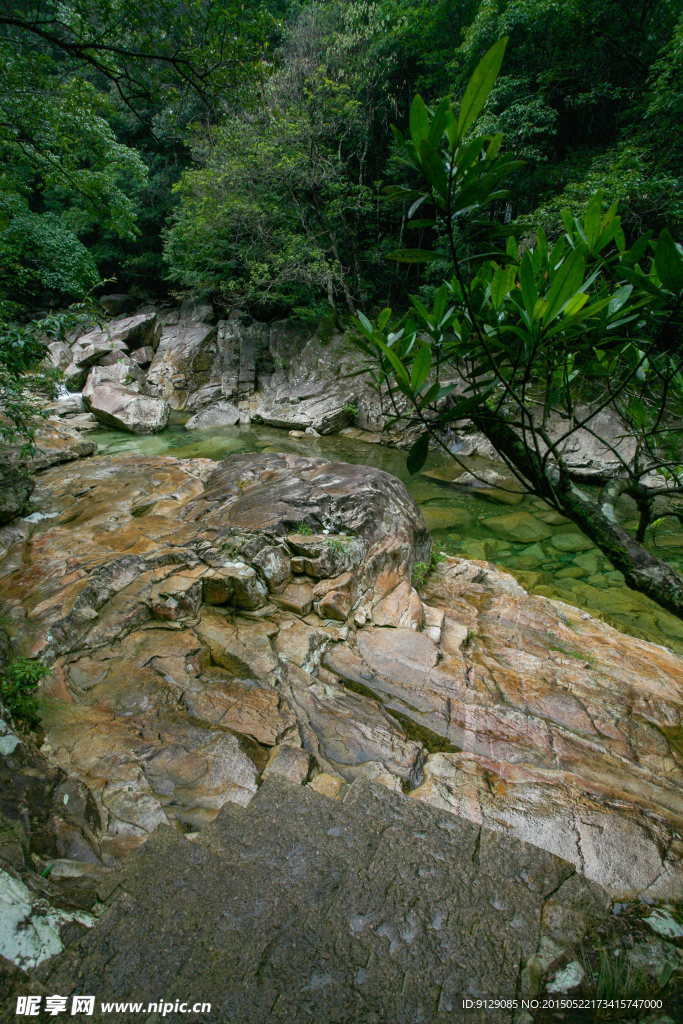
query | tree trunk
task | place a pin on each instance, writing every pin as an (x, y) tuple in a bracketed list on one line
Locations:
[(643, 572)]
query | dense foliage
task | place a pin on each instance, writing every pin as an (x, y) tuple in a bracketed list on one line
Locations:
[(242, 149), (534, 342), (287, 207)]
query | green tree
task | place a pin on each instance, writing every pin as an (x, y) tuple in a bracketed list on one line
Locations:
[(67, 70), (534, 342)]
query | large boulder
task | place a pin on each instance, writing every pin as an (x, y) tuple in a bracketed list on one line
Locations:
[(117, 304), (123, 332), (15, 490), (303, 404), (223, 414), (121, 405)]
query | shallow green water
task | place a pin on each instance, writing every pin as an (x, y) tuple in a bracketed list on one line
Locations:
[(555, 559)]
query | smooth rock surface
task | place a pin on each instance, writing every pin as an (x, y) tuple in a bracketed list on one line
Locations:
[(367, 909), (121, 406)]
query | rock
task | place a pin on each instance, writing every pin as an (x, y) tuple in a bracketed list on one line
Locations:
[(83, 421), (65, 406), (526, 718), (119, 406), (56, 441), (573, 542), (663, 923), (178, 596), (184, 349), (440, 518), (297, 597), (334, 598), (122, 333), (129, 372), (143, 356), (31, 925), (248, 590), (15, 490), (116, 304), (195, 309), (218, 587), (243, 708), (100, 347), (223, 414), (402, 608), (570, 977), (304, 405), (520, 527), (588, 561), (116, 373), (292, 763), (370, 950), (60, 354), (75, 376), (327, 785), (274, 564)]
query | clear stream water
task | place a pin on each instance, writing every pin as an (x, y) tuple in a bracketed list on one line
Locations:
[(559, 563)]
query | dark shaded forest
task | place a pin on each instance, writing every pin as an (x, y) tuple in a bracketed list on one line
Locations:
[(242, 151)]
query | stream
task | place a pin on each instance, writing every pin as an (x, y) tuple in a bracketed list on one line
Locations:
[(553, 559)]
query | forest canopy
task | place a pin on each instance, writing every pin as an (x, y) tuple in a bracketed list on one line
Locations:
[(241, 150)]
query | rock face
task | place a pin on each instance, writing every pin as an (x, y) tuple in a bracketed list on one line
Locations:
[(198, 616), (186, 697), (15, 490), (197, 365)]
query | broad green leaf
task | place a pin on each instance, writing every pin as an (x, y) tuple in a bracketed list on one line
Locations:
[(480, 85), (511, 248), (592, 222), (642, 282), (433, 168), (566, 282), (575, 304), (417, 456), (422, 364), (438, 124), (619, 298), (431, 396), (383, 319), (363, 324), (501, 283), (417, 204), (637, 250), (669, 263), (421, 223), (401, 373), (539, 309), (419, 121), (465, 406), (413, 256), (528, 282)]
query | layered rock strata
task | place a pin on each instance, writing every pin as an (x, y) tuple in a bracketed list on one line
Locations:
[(209, 625)]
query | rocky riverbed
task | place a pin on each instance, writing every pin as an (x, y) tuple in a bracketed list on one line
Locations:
[(222, 605), (210, 625)]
